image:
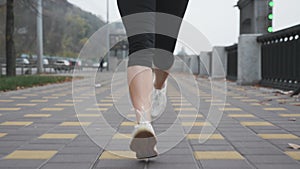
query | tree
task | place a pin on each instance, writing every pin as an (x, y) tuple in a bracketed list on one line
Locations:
[(9, 38)]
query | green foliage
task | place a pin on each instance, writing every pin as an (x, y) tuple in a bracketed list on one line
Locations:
[(19, 82), (66, 27)]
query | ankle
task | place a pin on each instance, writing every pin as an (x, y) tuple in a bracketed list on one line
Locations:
[(159, 87)]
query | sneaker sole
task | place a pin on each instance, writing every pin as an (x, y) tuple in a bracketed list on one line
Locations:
[(143, 144)]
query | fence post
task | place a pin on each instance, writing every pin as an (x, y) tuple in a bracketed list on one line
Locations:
[(205, 63), (219, 60), (249, 59)]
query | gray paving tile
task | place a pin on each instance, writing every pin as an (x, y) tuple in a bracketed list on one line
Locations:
[(69, 165), (69, 158), (81, 150), (277, 166), (131, 163), (21, 163), (259, 151), (225, 164), (167, 165), (270, 159)]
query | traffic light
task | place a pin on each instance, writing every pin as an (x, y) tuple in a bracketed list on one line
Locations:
[(270, 16)]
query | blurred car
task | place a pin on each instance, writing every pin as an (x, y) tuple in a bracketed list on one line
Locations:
[(75, 63), (62, 65), (45, 61), (22, 61)]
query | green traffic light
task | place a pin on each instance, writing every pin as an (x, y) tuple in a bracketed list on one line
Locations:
[(270, 29), (271, 3), (270, 16)]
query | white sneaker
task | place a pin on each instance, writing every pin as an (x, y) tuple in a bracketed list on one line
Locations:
[(159, 100), (144, 141)]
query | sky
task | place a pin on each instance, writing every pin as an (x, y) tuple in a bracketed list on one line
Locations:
[(218, 20)]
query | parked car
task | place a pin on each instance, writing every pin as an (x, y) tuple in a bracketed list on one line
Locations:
[(22, 61), (62, 65), (45, 61)]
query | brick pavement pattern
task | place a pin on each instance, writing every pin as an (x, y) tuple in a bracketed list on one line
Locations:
[(39, 129)]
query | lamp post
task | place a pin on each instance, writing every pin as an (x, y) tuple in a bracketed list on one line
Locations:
[(39, 36), (108, 32)]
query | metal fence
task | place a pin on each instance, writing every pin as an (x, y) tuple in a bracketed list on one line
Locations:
[(281, 59), (23, 69), (232, 62)]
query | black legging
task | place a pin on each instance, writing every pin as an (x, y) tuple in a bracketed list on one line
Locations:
[(139, 42)]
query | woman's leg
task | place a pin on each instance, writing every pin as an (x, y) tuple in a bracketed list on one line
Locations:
[(139, 72), (162, 66)]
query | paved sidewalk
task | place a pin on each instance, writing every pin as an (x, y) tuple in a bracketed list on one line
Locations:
[(39, 128)]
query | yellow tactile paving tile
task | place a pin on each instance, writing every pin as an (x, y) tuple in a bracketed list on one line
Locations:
[(88, 115), (260, 104), (195, 124), (284, 100), (220, 104), (185, 109), (104, 104), (293, 154), (214, 101), (203, 136), (80, 97), (3, 134), (218, 155), (6, 101), (240, 97), (289, 115), (73, 101), (37, 115), (26, 105), (230, 109), (75, 123), (190, 115), (122, 136), (107, 101), (253, 123), (64, 104), (38, 101), (128, 123), (241, 115), (96, 109), (131, 115), (275, 109), (58, 136), (178, 101), (50, 97), (86, 94), (31, 155), (278, 136), (59, 95), (117, 155), (52, 109), (16, 123), (10, 109), (181, 104), (18, 97), (249, 100)]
